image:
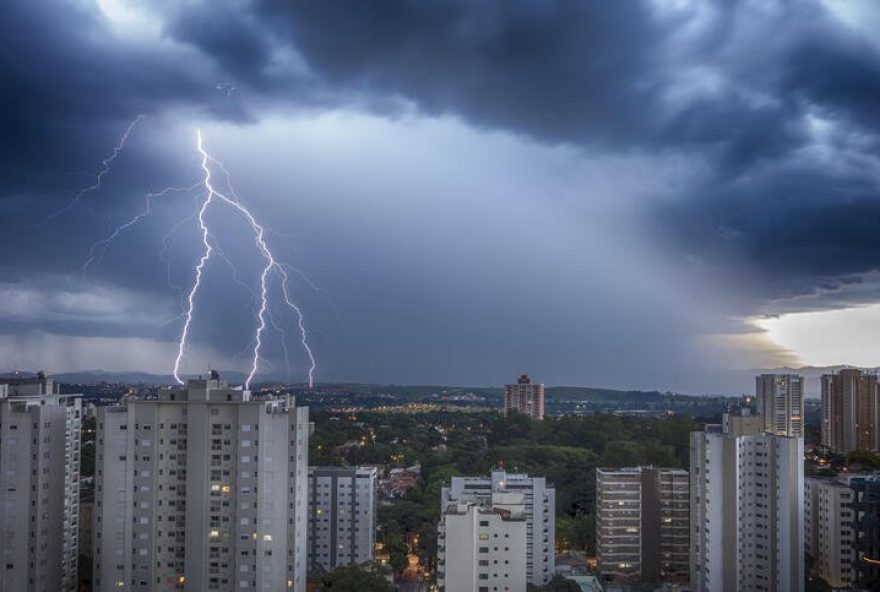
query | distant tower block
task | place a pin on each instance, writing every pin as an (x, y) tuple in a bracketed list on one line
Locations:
[(524, 397), (780, 399)]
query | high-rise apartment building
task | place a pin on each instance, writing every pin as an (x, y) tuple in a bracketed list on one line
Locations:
[(866, 528), (39, 486), (524, 397), (342, 516), (828, 530), (850, 408), (643, 524), (780, 401), (203, 489), (539, 511), (484, 546), (747, 508)]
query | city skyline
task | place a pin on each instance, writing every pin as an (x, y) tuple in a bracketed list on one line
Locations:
[(632, 197)]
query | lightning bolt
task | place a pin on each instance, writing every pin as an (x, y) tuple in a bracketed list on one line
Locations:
[(99, 178), (272, 269), (200, 267), (148, 208), (272, 321), (271, 266), (300, 321)]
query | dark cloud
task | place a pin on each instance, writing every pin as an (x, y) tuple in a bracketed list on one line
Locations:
[(772, 104), (837, 73), (71, 85), (788, 231), (239, 44), (582, 72)]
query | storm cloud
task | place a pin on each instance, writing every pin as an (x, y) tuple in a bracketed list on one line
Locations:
[(729, 145)]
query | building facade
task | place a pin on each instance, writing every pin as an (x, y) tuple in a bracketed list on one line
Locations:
[(539, 511), (850, 407), (39, 486), (828, 530), (780, 401), (643, 524), (203, 489), (484, 545), (342, 516), (866, 530), (524, 397), (747, 508)]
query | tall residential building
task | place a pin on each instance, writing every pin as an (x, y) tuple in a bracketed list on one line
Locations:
[(828, 530), (539, 510), (866, 527), (780, 401), (342, 516), (204, 488), (747, 508), (39, 486), (524, 397), (484, 546), (850, 408), (643, 524)]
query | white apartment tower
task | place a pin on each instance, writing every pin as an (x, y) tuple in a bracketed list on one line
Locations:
[(828, 527), (203, 489), (484, 545), (643, 524), (39, 486), (342, 516), (747, 508), (780, 401), (539, 511)]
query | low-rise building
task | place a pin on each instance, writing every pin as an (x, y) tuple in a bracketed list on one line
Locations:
[(643, 524), (866, 530), (484, 546), (539, 509), (342, 516), (828, 530)]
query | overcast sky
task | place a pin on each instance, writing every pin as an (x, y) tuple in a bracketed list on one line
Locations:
[(640, 194)]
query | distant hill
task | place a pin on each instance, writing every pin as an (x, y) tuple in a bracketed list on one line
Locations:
[(93, 377), (583, 393), (726, 383)]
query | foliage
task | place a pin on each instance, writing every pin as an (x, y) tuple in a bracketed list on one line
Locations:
[(576, 533), (869, 460), (87, 448), (354, 578), (565, 450)]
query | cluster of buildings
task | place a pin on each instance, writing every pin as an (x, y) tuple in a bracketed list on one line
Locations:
[(208, 487), (203, 488), (744, 516)]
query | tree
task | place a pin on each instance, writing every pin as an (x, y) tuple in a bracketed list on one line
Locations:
[(868, 460), (353, 578)]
